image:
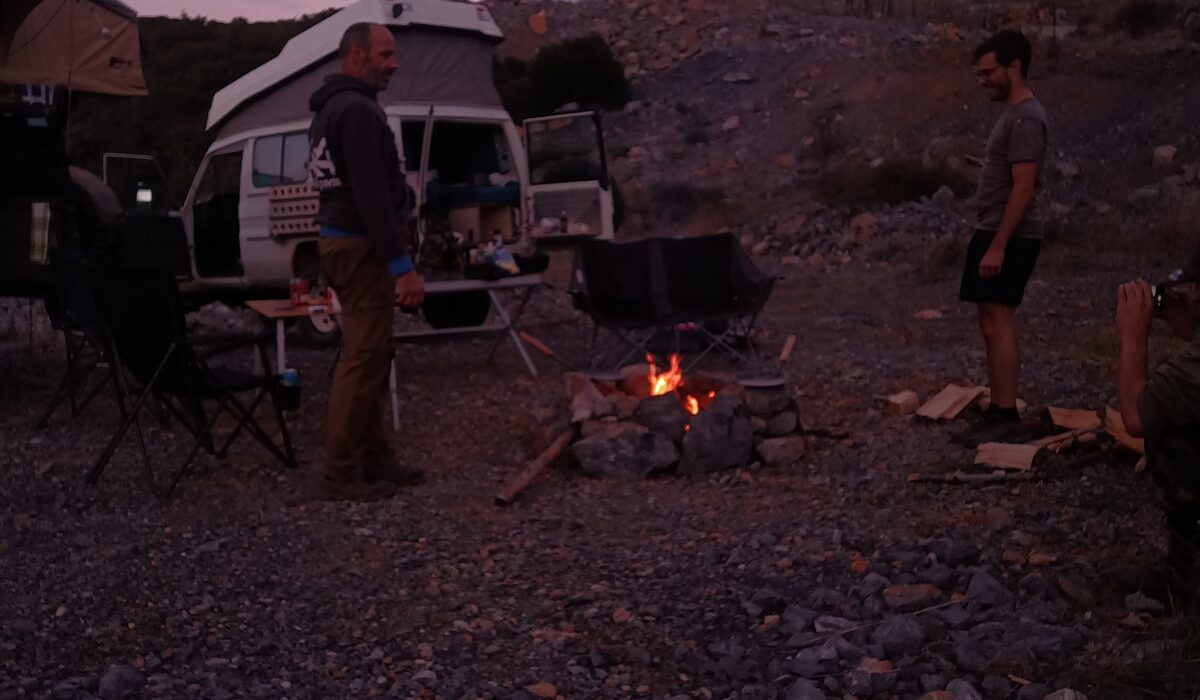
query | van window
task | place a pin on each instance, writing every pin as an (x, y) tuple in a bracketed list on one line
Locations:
[(564, 149), (281, 159), (466, 154)]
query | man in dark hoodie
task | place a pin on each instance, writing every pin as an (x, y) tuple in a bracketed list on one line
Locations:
[(355, 167)]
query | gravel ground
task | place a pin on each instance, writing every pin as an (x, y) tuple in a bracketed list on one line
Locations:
[(834, 578)]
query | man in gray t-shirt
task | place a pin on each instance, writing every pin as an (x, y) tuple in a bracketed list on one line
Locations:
[(1008, 226)]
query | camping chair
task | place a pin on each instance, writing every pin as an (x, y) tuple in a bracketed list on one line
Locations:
[(73, 312), (639, 290), (143, 314)]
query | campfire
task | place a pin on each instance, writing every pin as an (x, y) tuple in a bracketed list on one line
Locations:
[(654, 419), (671, 381)]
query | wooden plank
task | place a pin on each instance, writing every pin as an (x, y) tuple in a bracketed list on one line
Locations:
[(968, 398), (949, 402), (1114, 425), (1005, 456), (1073, 418)]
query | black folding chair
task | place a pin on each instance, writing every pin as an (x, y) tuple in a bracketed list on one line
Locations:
[(642, 290), (73, 312), (143, 314)]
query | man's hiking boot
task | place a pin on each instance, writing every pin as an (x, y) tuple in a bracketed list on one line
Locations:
[(1163, 581), (394, 474), (327, 489)]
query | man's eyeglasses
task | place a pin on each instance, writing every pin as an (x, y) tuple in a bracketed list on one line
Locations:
[(985, 73)]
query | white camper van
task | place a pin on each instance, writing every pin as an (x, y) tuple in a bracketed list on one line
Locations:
[(248, 214)]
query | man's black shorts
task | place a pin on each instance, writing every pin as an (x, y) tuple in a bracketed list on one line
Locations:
[(1007, 288)]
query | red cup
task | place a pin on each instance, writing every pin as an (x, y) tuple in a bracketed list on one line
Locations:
[(299, 290)]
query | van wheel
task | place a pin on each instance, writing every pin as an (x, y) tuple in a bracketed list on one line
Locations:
[(320, 331)]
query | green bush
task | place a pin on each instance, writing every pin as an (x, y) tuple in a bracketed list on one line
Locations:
[(677, 202), (1139, 18), (891, 183), (579, 70)]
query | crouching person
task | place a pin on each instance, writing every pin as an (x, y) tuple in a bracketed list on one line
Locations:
[(1163, 405)]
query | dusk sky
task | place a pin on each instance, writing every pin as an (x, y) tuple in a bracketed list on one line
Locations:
[(253, 10)]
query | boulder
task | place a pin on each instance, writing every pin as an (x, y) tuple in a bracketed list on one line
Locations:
[(782, 451)]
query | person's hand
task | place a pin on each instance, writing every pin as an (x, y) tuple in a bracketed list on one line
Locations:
[(1135, 310), (410, 290), (992, 261)]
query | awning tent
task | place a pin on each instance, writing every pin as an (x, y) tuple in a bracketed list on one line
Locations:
[(82, 45)]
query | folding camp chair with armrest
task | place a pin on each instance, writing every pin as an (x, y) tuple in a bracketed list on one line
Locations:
[(638, 289), (143, 314), (73, 312)]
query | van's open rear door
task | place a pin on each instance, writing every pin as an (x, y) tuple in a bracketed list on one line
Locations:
[(570, 192)]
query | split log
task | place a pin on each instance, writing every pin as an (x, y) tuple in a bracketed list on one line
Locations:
[(1058, 443), (1006, 456), (1073, 419), (949, 402), (1114, 425), (902, 404), (519, 482)]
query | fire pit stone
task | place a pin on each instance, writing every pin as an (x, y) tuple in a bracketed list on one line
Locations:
[(765, 403), (720, 437), (663, 414), (627, 453), (782, 424)]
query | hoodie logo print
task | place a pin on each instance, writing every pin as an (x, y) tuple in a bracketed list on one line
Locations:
[(321, 169)]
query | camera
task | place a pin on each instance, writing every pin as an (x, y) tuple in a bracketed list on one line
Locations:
[(1158, 292)]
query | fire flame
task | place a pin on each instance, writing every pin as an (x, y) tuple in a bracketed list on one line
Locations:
[(670, 381), (667, 381)]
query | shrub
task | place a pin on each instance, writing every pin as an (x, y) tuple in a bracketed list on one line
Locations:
[(579, 70), (892, 183), (1142, 17), (677, 202)]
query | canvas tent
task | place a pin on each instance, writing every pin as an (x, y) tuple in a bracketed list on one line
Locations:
[(443, 48), (82, 45)]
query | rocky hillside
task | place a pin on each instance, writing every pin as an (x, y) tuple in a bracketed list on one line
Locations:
[(787, 122)]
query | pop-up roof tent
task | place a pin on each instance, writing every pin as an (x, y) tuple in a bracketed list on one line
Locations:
[(82, 45), (443, 48)]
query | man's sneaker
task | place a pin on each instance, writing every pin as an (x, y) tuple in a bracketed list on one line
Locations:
[(969, 436), (394, 474), (325, 488), (1163, 581), (1010, 431)]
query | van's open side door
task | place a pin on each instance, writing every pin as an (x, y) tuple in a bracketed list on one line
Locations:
[(570, 193)]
